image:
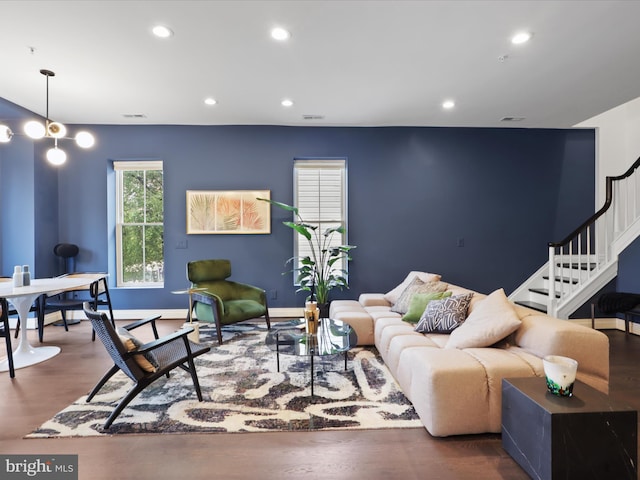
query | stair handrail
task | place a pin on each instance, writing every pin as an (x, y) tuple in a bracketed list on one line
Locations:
[(551, 300), (607, 203)]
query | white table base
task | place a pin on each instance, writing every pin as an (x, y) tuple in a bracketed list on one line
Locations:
[(26, 355), (29, 356)]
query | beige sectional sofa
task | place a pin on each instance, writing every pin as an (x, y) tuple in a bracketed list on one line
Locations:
[(458, 390)]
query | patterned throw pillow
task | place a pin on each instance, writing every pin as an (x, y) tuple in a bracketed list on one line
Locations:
[(444, 316), (416, 286)]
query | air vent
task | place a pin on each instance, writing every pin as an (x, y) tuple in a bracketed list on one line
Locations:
[(134, 115), (511, 119), (313, 117)]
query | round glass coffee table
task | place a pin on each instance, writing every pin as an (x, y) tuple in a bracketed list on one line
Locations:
[(333, 337)]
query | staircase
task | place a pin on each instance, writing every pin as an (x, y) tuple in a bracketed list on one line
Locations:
[(587, 259)]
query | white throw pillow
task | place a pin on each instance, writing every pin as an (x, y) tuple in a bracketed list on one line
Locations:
[(393, 295), (492, 319)]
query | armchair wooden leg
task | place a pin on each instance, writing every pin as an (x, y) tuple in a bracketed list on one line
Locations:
[(219, 330), (112, 371), (123, 403), (192, 371)]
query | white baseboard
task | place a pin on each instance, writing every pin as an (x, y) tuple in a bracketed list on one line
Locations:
[(172, 314), (608, 324), (32, 322)]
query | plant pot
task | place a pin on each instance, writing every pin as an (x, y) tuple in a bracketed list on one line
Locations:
[(324, 309)]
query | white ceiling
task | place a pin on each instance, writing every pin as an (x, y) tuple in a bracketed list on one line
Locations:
[(353, 62)]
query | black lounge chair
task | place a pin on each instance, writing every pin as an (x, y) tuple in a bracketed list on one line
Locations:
[(142, 363)]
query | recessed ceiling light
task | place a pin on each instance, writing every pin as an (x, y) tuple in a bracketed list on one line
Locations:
[(448, 104), (162, 31), (210, 101), (286, 102), (520, 38), (280, 34)]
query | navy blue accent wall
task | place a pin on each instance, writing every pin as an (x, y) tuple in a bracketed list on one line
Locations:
[(628, 279), (414, 195)]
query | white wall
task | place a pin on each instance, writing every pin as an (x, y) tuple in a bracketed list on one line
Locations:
[(618, 142)]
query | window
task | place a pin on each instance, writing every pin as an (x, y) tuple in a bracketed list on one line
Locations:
[(139, 224), (320, 196)]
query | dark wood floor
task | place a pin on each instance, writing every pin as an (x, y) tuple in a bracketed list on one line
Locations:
[(38, 392)]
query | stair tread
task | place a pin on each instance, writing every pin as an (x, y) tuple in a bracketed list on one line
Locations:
[(562, 279), (534, 305), (542, 291), (580, 265)]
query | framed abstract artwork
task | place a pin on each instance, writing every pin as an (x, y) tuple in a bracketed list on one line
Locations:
[(228, 211)]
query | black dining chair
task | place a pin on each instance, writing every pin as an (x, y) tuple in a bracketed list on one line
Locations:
[(97, 293), (6, 333)]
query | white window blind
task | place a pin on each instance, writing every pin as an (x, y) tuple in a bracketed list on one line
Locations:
[(320, 195)]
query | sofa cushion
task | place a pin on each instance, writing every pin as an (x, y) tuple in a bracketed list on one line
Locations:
[(418, 304), (382, 324), (373, 300), (445, 315), (361, 323), (398, 342), (393, 295), (491, 320), (344, 306), (416, 286)]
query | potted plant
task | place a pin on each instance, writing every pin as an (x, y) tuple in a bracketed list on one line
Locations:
[(317, 273)]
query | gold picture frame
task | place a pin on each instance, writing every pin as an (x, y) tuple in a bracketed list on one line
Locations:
[(228, 212)]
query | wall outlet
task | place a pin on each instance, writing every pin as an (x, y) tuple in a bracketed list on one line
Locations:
[(273, 294), (181, 244), (460, 242)]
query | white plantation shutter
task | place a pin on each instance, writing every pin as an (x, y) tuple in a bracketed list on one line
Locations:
[(320, 195)]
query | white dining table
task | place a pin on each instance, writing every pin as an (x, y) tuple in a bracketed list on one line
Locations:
[(22, 298)]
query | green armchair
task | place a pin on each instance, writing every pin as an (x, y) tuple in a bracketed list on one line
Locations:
[(223, 302)]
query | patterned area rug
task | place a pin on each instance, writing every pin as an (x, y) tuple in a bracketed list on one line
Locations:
[(243, 392)]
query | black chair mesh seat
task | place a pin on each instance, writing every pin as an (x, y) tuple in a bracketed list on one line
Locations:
[(618, 302), (174, 353)]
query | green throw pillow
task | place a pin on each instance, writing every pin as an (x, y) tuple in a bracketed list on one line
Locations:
[(419, 302)]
